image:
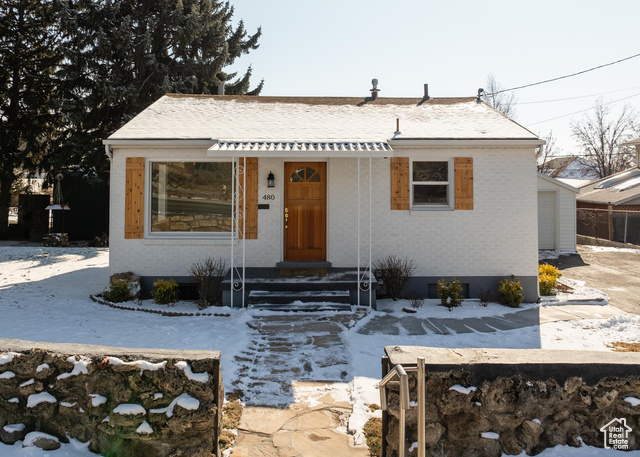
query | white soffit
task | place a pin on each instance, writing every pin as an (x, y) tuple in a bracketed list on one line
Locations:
[(298, 148)]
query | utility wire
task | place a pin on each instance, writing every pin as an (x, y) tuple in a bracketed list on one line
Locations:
[(582, 111), (565, 76), (575, 98)]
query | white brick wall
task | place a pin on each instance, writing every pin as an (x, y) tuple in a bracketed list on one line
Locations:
[(499, 237)]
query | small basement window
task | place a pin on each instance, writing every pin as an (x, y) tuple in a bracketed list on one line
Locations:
[(430, 184)]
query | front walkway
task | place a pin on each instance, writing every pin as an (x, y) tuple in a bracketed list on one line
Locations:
[(281, 351), (408, 325)]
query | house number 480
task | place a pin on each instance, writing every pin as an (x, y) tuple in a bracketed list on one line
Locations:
[(269, 197)]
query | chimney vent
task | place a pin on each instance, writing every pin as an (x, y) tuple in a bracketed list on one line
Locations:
[(426, 92), (374, 90), (220, 88)]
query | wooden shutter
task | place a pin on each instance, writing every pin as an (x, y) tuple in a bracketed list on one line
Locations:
[(463, 175), (134, 199), (251, 197), (400, 184)]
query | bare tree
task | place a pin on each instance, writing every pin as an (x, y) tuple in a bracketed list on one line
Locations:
[(601, 136), (502, 101), (546, 153)]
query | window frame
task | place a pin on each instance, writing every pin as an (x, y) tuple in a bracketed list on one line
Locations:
[(449, 183), (148, 198)]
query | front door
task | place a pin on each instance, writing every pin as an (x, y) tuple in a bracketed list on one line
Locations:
[(305, 211)]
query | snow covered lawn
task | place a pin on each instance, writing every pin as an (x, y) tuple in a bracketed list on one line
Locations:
[(44, 296)]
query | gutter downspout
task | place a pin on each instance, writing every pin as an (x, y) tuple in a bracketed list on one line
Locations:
[(109, 152)]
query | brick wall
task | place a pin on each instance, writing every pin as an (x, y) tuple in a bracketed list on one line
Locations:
[(497, 238)]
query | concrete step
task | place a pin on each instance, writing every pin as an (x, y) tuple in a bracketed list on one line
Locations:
[(284, 297), (303, 307)]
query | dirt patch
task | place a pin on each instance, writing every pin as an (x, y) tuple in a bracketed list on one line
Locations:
[(231, 414), (620, 346)]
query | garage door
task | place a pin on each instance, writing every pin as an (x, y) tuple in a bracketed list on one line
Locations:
[(546, 220)]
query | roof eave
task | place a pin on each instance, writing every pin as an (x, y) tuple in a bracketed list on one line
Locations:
[(557, 182), (158, 143), (465, 142)]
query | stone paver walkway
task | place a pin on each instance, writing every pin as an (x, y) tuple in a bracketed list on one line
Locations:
[(408, 325), (308, 347)]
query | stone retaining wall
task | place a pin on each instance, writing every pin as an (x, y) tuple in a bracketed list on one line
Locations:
[(486, 402), (124, 402)]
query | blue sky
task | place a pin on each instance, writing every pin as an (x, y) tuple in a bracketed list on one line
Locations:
[(335, 48)]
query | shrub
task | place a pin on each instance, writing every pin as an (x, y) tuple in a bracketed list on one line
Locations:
[(373, 433), (209, 274), (118, 291), (510, 291), (416, 301), (165, 292), (485, 296), (449, 293), (395, 273), (550, 270), (548, 279)]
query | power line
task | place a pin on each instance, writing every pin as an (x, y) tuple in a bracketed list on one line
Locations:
[(565, 76), (582, 111), (575, 98)]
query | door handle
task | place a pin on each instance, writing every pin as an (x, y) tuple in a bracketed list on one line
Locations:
[(286, 218)]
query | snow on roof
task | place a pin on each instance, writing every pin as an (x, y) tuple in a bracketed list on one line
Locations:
[(616, 189), (317, 119), (570, 167)]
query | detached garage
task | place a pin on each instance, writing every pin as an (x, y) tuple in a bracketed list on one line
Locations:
[(556, 214)]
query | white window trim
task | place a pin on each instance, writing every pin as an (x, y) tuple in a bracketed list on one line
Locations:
[(176, 236), (450, 185)]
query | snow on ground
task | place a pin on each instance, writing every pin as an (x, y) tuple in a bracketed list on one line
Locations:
[(580, 291), (553, 254), (614, 249), (433, 308), (44, 297)]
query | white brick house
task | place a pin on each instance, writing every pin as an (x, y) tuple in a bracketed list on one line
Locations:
[(449, 183)]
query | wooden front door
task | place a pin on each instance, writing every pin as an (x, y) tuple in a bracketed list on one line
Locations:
[(305, 211)]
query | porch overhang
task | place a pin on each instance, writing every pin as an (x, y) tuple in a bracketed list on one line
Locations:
[(365, 149)]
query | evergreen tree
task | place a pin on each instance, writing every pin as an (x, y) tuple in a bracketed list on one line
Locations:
[(120, 56), (28, 60)]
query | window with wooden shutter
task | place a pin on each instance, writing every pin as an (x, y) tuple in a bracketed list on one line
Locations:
[(250, 196), (134, 198), (463, 176), (400, 184)]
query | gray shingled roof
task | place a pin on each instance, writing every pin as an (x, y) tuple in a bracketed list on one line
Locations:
[(613, 190), (318, 119)]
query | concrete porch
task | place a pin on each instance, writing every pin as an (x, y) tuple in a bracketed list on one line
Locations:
[(299, 289)]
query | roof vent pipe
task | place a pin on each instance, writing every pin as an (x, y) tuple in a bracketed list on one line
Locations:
[(374, 90), (221, 88), (426, 92)]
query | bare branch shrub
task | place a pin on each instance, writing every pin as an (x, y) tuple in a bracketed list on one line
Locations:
[(395, 273), (209, 274), (416, 301), (485, 296)]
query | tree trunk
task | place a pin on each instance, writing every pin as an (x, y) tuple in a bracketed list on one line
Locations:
[(6, 182)]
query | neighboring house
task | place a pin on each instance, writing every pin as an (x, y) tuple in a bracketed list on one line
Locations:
[(556, 214), (569, 168), (325, 182), (610, 208)]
